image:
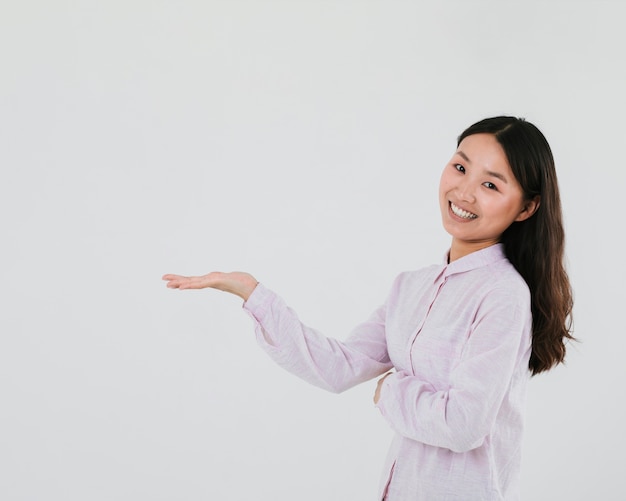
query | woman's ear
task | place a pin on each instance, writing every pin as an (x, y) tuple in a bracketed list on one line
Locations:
[(530, 207)]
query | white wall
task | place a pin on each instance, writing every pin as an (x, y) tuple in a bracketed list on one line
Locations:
[(301, 141)]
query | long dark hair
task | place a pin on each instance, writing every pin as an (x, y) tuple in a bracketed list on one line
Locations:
[(536, 246)]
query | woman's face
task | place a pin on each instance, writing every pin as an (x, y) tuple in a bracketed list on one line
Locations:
[(479, 195)]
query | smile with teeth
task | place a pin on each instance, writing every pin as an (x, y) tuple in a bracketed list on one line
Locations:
[(462, 213)]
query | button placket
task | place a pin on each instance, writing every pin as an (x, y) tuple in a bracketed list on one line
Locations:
[(441, 278)]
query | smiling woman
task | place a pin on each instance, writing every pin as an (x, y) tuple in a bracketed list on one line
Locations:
[(456, 342), (535, 245), (480, 196)]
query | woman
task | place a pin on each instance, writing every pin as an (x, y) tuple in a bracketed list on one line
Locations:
[(461, 339)]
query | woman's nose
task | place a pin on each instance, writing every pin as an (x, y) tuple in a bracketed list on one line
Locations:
[(465, 191)]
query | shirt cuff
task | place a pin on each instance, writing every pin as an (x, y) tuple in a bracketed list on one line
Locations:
[(259, 302), (385, 390)]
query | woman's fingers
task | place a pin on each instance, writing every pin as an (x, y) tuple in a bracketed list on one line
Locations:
[(238, 283), (379, 387), (178, 281)]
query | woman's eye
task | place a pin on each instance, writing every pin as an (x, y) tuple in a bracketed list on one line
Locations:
[(491, 186), (459, 167)]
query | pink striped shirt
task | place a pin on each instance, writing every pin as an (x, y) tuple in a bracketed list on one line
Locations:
[(458, 337)]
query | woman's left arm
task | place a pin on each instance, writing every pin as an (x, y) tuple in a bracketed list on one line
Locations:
[(460, 416)]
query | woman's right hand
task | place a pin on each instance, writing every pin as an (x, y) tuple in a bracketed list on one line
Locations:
[(239, 283)]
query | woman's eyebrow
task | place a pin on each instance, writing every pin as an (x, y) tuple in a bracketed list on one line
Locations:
[(464, 156), (491, 173), (496, 175)]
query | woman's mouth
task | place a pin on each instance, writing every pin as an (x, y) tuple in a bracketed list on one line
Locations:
[(457, 211)]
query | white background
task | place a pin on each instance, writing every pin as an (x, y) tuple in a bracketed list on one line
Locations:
[(301, 141)]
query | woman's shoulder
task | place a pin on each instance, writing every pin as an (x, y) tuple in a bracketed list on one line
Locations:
[(419, 275), (501, 282), (503, 272), (415, 282)]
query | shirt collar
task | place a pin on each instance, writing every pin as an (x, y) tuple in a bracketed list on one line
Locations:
[(477, 259)]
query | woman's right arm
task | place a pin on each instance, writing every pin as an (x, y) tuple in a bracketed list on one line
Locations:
[(332, 364), (322, 361)]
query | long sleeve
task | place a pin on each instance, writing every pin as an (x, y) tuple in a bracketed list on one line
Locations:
[(459, 338), (461, 414), (322, 361)]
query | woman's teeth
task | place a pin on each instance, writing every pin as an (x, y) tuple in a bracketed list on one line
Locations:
[(462, 213)]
